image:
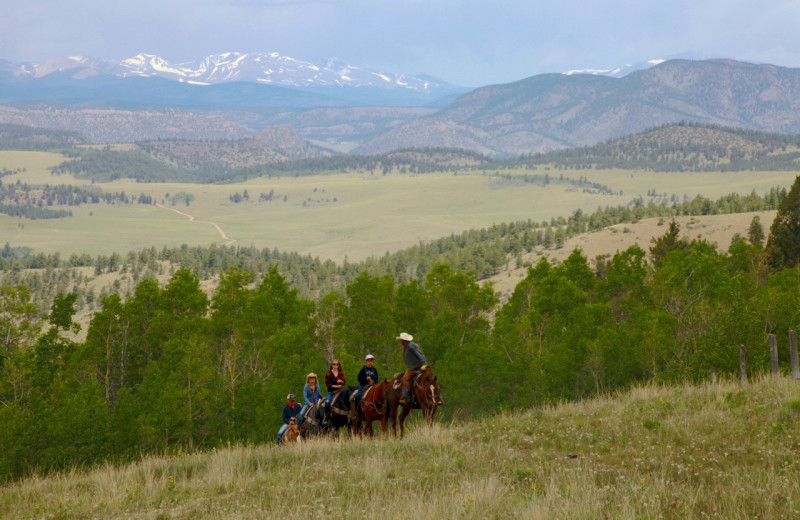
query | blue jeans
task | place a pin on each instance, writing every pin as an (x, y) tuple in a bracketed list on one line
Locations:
[(281, 432), (358, 396)]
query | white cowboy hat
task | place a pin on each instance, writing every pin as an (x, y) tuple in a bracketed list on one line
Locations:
[(369, 356), (405, 336)]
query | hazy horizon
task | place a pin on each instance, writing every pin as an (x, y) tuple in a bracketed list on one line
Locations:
[(468, 43)]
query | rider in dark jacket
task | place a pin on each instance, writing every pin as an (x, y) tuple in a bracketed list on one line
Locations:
[(334, 380), (368, 375), (292, 409), (414, 359)]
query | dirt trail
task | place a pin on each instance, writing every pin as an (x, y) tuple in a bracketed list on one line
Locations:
[(192, 219)]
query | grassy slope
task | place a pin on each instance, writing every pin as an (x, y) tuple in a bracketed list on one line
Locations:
[(373, 213), (653, 452), (716, 229)]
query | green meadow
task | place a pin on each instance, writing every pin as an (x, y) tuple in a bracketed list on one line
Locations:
[(335, 216)]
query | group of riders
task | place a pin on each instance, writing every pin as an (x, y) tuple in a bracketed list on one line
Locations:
[(315, 411)]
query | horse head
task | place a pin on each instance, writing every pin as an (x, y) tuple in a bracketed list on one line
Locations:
[(429, 384)]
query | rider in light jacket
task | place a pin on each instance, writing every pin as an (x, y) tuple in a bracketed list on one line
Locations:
[(311, 394)]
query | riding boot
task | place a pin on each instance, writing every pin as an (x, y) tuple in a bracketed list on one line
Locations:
[(404, 397)]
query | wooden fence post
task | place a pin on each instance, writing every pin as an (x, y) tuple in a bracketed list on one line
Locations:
[(793, 355), (773, 353), (742, 365), (713, 376)]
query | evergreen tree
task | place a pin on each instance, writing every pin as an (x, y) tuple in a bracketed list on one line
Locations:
[(669, 241), (755, 233), (783, 245)]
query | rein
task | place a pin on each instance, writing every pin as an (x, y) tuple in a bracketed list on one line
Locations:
[(430, 402), (373, 405)]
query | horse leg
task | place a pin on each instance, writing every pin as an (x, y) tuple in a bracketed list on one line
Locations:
[(393, 417), (384, 428), (429, 416), (403, 415)]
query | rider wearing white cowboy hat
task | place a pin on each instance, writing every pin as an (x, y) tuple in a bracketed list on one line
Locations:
[(414, 359)]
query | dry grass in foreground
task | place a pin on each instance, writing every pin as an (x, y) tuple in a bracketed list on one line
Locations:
[(653, 452)]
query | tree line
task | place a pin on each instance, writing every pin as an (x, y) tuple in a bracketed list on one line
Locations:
[(485, 252), (31, 201), (21, 137)]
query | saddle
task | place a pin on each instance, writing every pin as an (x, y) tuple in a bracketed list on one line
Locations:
[(367, 390), (310, 415), (335, 410), (397, 380)]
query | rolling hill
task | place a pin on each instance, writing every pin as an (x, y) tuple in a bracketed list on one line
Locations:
[(552, 111), (682, 147)]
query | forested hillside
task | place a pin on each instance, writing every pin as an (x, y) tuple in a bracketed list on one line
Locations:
[(232, 161), (20, 137), (681, 147), (280, 152), (168, 367)]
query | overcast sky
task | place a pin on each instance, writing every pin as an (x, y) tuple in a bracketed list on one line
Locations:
[(466, 42)]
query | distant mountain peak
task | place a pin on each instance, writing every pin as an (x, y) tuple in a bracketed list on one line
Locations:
[(624, 70)]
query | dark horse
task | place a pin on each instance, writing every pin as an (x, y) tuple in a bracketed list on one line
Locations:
[(424, 395), (373, 406), (316, 422)]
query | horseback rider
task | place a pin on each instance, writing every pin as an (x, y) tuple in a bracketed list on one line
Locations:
[(368, 375), (415, 361), (311, 394), (334, 380), (291, 410)]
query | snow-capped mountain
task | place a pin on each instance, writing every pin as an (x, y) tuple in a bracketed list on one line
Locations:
[(617, 72), (624, 70), (260, 67), (228, 79)]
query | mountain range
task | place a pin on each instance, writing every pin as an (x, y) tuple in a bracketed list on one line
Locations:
[(334, 82), (553, 111), (348, 109)]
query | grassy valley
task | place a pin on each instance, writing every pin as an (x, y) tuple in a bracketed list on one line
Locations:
[(354, 215)]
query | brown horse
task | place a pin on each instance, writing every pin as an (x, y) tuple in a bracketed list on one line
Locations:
[(373, 406), (424, 395), (292, 434)]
